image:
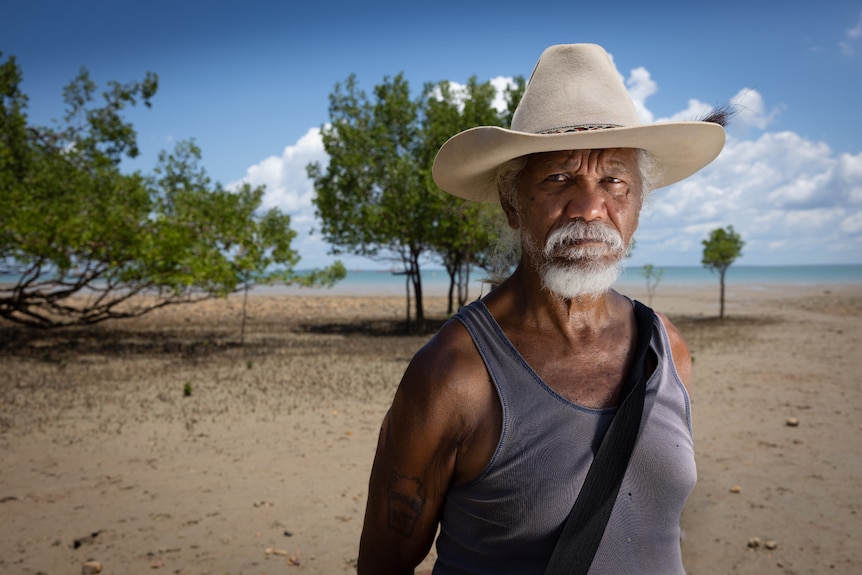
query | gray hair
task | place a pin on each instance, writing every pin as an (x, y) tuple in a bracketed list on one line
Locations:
[(508, 175), (650, 172)]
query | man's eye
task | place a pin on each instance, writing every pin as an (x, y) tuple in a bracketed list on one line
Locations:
[(556, 178), (614, 184)]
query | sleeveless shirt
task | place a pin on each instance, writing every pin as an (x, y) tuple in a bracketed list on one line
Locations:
[(508, 519)]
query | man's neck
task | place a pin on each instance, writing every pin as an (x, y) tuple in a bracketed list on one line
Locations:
[(533, 304)]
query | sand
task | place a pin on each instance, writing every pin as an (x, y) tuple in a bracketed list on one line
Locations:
[(162, 444)]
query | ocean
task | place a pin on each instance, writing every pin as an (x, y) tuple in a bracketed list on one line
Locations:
[(436, 281)]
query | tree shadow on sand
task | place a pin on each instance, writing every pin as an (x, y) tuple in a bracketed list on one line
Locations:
[(199, 341), (375, 328), (187, 342), (51, 345), (699, 330)]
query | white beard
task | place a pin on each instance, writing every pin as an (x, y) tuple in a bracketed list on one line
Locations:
[(573, 272), (571, 282)]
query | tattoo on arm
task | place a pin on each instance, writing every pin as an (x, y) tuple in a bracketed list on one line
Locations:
[(406, 500)]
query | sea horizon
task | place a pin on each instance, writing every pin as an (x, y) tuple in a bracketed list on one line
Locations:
[(435, 281)]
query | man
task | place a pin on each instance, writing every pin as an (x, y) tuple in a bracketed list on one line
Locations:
[(497, 419)]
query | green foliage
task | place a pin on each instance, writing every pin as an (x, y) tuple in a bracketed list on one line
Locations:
[(84, 238), (466, 232), (720, 250), (187, 389), (370, 197), (376, 197)]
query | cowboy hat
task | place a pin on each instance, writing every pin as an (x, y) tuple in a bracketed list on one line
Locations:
[(575, 100)]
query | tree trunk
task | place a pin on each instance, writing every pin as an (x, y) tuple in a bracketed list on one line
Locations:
[(452, 271), (244, 313), (721, 279), (414, 275), (417, 289), (463, 283), (407, 292)]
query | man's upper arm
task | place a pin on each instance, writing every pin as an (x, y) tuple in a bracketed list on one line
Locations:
[(680, 353), (413, 467)]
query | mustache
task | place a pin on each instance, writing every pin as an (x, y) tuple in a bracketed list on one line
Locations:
[(562, 240)]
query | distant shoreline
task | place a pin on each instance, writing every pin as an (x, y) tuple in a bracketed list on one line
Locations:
[(435, 282)]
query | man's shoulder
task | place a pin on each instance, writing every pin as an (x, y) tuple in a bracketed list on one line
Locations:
[(680, 353), (448, 365), (452, 347)]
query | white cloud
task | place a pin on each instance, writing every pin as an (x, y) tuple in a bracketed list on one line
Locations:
[(287, 185), (851, 36), (813, 219), (289, 189), (751, 111), (641, 86), (790, 198), (695, 111), (849, 174), (852, 224), (458, 92), (500, 84)]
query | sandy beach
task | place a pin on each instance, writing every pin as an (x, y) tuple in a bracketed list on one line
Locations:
[(167, 444)]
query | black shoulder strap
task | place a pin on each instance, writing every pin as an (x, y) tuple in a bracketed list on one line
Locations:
[(586, 523)]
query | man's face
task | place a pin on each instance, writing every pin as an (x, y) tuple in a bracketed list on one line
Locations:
[(577, 212)]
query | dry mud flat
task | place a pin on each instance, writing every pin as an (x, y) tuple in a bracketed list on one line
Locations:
[(163, 445)]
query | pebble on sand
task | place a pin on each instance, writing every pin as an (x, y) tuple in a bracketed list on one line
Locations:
[(755, 542)]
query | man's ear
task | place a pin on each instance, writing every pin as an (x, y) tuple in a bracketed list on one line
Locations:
[(511, 213)]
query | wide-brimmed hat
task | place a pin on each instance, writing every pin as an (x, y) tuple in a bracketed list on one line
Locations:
[(575, 100)]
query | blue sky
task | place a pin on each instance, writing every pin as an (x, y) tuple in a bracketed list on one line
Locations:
[(249, 81)]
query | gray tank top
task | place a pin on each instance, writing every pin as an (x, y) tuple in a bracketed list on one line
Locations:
[(509, 518)]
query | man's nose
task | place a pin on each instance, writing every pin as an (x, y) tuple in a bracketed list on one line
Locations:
[(587, 202)]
